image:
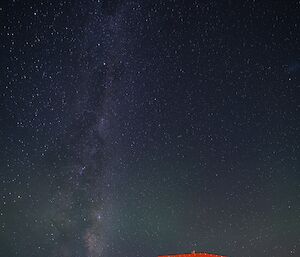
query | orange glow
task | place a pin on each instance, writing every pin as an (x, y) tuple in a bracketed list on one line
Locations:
[(192, 255)]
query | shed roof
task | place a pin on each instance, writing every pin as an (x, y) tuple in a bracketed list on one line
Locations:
[(192, 255)]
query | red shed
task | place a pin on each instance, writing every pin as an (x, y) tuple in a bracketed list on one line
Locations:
[(193, 254)]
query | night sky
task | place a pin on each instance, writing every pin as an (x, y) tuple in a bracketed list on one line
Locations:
[(142, 128)]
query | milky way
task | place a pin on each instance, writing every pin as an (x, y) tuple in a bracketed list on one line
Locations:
[(144, 128), (71, 77)]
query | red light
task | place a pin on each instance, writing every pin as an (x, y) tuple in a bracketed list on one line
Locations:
[(192, 255)]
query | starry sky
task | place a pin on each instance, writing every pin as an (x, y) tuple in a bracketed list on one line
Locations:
[(143, 128)]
